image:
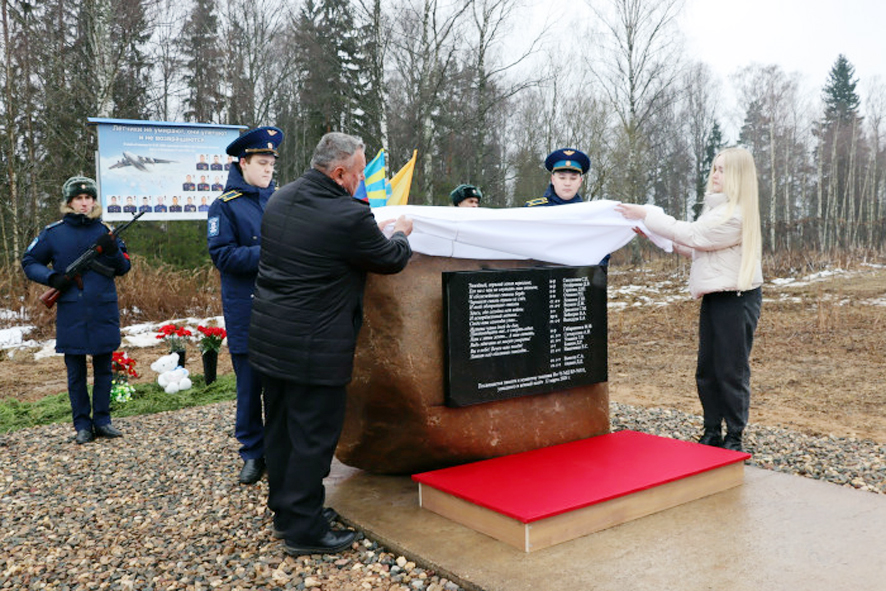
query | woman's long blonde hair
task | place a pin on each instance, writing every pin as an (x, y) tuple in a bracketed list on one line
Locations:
[(740, 187)]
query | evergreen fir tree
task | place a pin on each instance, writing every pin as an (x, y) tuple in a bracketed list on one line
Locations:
[(714, 143), (330, 59), (840, 98), (130, 29), (203, 63)]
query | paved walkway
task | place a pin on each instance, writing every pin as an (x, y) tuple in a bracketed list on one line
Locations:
[(774, 532)]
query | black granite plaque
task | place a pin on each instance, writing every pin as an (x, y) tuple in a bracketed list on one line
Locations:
[(519, 332)]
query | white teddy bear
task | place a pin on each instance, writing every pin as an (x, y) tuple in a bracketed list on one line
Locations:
[(173, 378)]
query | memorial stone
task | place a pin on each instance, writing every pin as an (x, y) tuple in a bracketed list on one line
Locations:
[(397, 420)]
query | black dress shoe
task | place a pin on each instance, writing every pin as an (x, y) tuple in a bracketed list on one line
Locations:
[(711, 437), (331, 542), (732, 441), (329, 514), (84, 436), (108, 430), (252, 471)]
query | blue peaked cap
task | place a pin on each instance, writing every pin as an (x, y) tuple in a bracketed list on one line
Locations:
[(568, 159), (261, 140)]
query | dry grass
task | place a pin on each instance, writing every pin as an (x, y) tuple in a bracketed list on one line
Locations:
[(817, 363), (146, 294)]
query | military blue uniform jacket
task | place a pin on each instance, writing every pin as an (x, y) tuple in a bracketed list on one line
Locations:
[(233, 234), (87, 321), (550, 198)]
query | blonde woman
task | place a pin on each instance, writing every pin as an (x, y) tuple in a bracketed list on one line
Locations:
[(726, 273)]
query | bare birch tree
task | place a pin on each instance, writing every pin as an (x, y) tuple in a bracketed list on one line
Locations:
[(872, 190), (251, 70), (701, 96), (425, 42), (768, 96), (641, 61), (167, 92)]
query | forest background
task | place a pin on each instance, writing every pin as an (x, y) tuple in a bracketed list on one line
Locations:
[(441, 77)]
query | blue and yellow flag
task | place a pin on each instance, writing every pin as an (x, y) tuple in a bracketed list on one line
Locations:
[(377, 190)]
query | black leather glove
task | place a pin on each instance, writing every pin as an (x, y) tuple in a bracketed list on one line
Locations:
[(107, 244), (59, 281)]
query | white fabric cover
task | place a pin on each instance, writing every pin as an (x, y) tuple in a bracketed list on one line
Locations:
[(577, 234)]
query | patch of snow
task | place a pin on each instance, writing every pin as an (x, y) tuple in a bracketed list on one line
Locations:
[(47, 349), (134, 336), (13, 337), (7, 314)]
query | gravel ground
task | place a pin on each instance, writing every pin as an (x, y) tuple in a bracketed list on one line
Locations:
[(161, 508), (847, 461)]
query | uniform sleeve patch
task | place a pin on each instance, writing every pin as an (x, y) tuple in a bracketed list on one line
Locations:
[(212, 227)]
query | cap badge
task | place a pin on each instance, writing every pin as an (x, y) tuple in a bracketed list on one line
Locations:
[(272, 133), (569, 152)]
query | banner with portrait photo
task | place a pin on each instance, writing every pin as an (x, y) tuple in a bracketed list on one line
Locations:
[(172, 171)]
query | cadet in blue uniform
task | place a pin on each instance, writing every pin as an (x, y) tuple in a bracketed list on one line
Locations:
[(567, 168), (87, 320), (234, 235)]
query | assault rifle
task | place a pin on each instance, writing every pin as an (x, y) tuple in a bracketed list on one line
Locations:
[(86, 262)]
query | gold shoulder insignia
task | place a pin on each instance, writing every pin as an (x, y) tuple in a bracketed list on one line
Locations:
[(539, 201), (225, 197)]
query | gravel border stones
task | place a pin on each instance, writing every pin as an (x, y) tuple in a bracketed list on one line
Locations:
[(161, 507)]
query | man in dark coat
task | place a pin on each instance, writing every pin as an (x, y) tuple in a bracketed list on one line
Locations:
[(87, 320), (318, 243), (233, 236)]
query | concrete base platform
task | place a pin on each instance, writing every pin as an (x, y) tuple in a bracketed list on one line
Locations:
[(774, 532)]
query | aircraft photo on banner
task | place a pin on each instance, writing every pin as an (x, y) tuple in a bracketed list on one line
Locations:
[(172, 171)]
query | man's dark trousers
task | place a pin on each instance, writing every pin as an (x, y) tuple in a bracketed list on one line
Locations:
[(303, 423)]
